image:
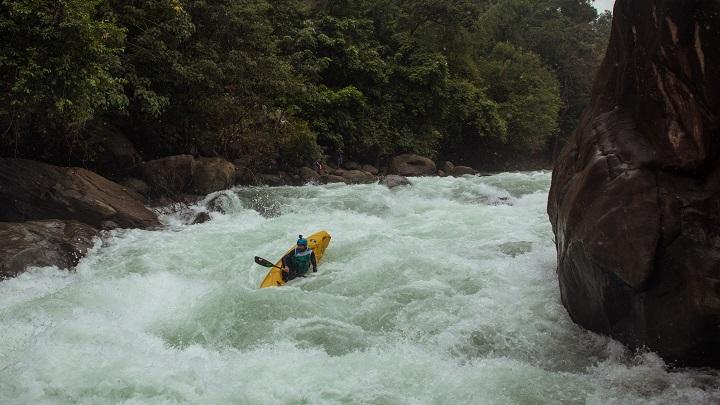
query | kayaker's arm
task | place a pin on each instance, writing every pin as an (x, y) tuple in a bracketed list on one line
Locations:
[(313, 261), (285, 264)]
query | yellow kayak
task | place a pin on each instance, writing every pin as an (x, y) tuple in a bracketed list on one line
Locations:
[(318, 242)]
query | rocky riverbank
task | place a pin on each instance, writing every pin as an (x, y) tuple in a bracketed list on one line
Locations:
[(51, 215)]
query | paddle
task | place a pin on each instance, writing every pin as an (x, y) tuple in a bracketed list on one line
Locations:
[(265, 263)]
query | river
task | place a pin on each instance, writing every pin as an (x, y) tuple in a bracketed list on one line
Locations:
[(440, 293)]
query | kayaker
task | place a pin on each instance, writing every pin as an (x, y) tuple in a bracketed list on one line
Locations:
[(297, 262)]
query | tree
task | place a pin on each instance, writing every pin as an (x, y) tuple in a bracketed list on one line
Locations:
[(568, 37), (527, 92), (59, 68), (270, 82)]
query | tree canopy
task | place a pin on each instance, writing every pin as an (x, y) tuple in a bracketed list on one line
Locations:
[(284, 82)]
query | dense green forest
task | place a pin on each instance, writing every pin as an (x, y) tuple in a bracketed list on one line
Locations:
[(282, 82)]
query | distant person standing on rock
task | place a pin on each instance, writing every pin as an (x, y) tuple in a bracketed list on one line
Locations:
[(339, 159), (318, 167)]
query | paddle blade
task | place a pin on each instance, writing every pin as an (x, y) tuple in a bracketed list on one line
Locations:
[(259, 260)]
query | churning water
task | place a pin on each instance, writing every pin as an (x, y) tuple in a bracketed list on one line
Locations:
[(439, 293)]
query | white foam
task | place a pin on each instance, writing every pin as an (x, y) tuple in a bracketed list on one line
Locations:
[(442, 292)]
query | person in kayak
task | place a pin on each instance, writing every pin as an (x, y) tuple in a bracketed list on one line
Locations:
[(297, 262)]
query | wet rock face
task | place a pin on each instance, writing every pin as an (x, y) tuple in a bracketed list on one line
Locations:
[(411, 165), (201, 218), (370, 169), (212, 174), (32, 190), (42, 243), (394, 180), (308, 175), (330, 178), (136, 185), (168, 176), (635, 196), (358, 177)]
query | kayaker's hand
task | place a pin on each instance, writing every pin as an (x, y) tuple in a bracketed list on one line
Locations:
[(286, 269)]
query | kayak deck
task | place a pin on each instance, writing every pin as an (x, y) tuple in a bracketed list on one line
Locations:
[(318, 242)]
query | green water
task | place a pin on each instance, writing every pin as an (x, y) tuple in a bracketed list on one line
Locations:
[(440, 293)]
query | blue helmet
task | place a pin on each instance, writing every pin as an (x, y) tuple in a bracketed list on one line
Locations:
[(301, 241)]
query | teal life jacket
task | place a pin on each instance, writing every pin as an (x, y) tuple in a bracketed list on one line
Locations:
[(302, 260)]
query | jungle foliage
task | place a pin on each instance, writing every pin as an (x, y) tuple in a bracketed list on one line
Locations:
[(288, 81)]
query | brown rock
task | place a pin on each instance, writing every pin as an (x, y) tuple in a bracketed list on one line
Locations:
[(634, 200), (330, 178), (201, 218), (212, 174), (447, 166), (308, 175), (136, 185), (42, 243), (370, 169), (168, 176), (459, 171), (358, 177), (411, 165), (32, 190)]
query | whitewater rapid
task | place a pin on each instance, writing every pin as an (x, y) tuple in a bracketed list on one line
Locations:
[(439, 293)]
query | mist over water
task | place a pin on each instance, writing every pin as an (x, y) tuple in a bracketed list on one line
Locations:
[(439, 293)]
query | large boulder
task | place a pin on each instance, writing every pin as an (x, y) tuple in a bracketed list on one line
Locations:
[(168, 176), (331, 178), (370, 169), (358, 177), (411, 165), (308, 175), (42, 243), (32, 190), (212, 174), (136, 185), (635, 192)]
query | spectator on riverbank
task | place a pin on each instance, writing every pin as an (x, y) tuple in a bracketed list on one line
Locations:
[(318, 167), (339, 159)]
